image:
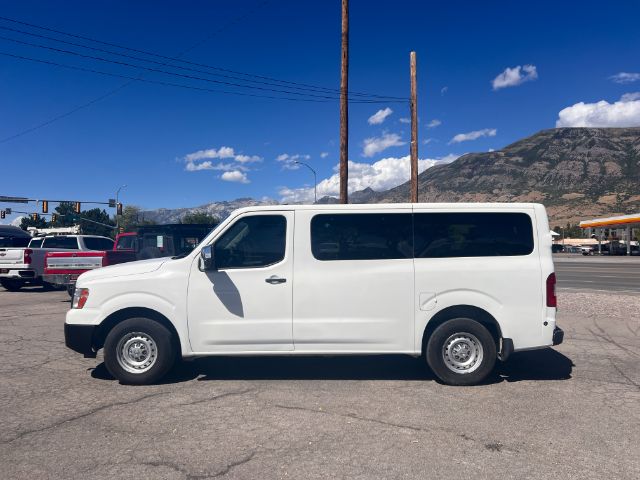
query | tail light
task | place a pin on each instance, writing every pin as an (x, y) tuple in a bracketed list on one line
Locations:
[(552, 300), (27, 256)]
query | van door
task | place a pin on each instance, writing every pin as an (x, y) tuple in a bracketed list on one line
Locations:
[(245, 304), (354, 281)]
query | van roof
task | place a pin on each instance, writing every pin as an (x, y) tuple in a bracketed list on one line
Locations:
[(391, 206)]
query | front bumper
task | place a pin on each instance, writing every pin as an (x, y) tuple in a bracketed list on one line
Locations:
[(558, 336), (79, 338)]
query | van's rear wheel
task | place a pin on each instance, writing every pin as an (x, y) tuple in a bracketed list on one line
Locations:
[(461, 352), (139, 351)]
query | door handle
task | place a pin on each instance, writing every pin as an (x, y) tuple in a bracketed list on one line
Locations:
[(273, 280)]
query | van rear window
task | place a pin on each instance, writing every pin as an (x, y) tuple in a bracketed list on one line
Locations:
[(361, 236), (440, 235)]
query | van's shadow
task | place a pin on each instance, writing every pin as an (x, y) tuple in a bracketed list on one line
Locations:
[(546, 364)]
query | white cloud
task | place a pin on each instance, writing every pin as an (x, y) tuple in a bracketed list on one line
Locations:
[(201, 160), (630, 97), (380, 116), (17, 221), (427, 141), (625, 77), (465, 137), (374, 145), (434, 123), (289, 161), (444, 90), (235, 176), (623, 113), (381, 175), (512, 77), (324, 154), (404, 120), (247, 158)]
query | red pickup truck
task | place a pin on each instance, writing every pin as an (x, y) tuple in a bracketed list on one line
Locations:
[(64, 268), (150, 241)]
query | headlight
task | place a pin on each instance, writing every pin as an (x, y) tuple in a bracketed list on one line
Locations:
[(80, 297)]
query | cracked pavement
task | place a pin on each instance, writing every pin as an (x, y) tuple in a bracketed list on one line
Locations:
[(568, 412)]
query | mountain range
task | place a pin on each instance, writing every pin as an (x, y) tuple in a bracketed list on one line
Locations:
[(577, 173)]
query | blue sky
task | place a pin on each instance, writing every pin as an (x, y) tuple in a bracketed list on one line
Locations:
[(559, 54)]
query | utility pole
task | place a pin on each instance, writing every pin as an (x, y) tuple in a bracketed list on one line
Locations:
[(414, 128), (344, 108)]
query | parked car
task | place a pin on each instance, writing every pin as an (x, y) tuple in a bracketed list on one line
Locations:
[(588, 249), (13, 237), (153, 241), (461, 284), (25, 266)]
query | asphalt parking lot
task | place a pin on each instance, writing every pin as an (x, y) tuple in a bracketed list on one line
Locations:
[(568, 412)]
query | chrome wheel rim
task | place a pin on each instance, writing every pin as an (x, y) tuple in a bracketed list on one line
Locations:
[(137, 352), (462, 353)]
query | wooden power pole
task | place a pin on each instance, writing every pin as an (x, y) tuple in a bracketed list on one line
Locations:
[(344, 107), (414, 129)]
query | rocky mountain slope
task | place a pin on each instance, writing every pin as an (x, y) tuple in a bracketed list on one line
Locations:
[(218, 209), (578, 173)]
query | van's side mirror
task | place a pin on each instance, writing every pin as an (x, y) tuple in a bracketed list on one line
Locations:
[(206, 258)]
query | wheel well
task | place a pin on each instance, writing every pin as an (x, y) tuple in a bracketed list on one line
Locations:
[(112, 320), (462, 311)]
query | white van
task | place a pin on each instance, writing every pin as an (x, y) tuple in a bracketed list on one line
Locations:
[(461, 284)]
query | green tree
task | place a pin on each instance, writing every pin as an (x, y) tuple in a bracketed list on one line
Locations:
[(132, 217), (201, 218), (87, 219), (27, 221)]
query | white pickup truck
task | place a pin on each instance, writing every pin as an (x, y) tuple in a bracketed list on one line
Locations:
[(25, 266)]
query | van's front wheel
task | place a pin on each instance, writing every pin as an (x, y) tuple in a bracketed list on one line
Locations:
[(461, 352), (139, 351)]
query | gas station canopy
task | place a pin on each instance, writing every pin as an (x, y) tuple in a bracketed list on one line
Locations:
[(623, 221)]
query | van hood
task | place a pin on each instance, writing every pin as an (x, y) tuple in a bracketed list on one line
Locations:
[(123, 269)]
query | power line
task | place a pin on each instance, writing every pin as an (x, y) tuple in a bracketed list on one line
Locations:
[(165, 64), (157, 55), (166, 72), (133, 80), (170, 84)]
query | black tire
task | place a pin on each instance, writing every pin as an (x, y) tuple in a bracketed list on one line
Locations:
[(71, 289), (470, 333), (11, 284), (139, 330)]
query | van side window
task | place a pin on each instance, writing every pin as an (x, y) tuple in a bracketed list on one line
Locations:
[(252, 242), (439, 235), (361, 236)]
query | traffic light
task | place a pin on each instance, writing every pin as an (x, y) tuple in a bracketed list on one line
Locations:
[(119, 209), (34, 217), (77, 207), (2, 214), (45, 206), (54, 217)]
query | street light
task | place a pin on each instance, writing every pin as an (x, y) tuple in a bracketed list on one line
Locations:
[(315, 181), (117, 219)]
